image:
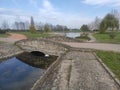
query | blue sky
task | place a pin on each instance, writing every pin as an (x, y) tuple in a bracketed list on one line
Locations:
[(72, 13)]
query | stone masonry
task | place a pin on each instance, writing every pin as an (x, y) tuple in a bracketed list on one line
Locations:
[(75, 69)]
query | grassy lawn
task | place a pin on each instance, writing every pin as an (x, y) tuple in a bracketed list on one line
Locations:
[(1, 42), (36, 35), (112, 60), (83, 38), (105, 38), (3, 35)]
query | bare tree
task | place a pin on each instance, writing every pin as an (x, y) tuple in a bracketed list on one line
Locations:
[(27, 24), (116, 13), (5, 25), (95, 24), (22, 25), (16, 26), (40, 26), (19, 25)]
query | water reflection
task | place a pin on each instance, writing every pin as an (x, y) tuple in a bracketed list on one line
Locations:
[(21, 74), (72, 34)]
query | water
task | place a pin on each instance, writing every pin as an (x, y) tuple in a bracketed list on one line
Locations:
[(16, 74), (72, 34)]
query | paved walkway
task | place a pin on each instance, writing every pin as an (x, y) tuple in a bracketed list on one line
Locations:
[(79, 71), (97, 46)]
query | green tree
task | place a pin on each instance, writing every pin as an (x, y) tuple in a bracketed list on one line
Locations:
[(47, 28), (109, 21), (103, 26), (84, 28), (32, 26)]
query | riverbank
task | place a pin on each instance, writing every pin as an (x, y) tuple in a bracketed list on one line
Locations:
[(8, 50)]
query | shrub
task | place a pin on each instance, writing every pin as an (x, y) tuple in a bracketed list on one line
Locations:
[(2, 32), (112, 35)]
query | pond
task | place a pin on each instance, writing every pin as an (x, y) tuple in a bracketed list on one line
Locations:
[(21, 74), (72, 34)]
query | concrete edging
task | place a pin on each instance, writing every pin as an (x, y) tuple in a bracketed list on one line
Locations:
[(10, 55), (59, 59), (113, 76), (47, 72)]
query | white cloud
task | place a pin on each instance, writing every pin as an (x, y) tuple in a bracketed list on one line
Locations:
[(112, 3), (50, 14), (9, 11), (47, 5), (48, 10), (46, 14), (13, 14)]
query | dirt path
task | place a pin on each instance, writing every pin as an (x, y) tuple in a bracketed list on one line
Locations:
[(17, 36), (93, 39), (13, 38), (97, 46)]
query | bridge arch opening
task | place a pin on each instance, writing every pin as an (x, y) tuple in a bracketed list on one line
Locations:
[(38, 53)]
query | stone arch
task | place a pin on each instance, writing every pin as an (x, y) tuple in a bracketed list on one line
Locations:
[(42, 45)]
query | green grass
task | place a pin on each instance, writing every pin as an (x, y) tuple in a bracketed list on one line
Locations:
[(1, 42), (3, 35), (83, 38), (36, 35), (105, 38), (112, 60)]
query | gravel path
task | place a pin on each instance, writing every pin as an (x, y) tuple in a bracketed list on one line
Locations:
[(97, 46)]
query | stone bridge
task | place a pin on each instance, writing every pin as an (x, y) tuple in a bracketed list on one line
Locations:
[(43, 45), (74, 69)]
